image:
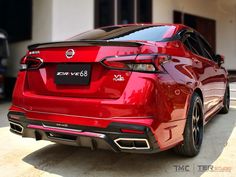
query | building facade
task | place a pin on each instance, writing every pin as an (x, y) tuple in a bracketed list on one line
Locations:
[(55, 20)]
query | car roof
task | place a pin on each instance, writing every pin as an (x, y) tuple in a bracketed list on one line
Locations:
[(154, 24), (178, 26)]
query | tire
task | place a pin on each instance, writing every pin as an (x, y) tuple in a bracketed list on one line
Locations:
[(194, 128), (226, 101)]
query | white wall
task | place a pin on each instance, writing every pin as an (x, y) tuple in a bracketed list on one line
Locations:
[(163, 9), (227, 40), (226, 34), (41, 32), (72, 17), (225, 16)]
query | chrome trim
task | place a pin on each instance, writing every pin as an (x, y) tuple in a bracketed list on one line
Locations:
[(60, 128), (132, 139), (16, 124), (66, 131), (52, 113)]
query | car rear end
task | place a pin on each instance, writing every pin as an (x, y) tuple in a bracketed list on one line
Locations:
[(98, 94)]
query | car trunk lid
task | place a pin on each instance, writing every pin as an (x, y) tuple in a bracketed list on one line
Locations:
[(101, 82)]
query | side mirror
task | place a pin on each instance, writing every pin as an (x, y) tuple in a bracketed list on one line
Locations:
[(220, 59)]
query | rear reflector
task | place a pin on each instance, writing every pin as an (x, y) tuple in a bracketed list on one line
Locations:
[(131, 131)]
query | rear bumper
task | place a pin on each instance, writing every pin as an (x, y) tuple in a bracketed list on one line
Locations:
[(109, 137)]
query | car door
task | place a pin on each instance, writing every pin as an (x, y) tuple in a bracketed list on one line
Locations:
[(218, 81), (203, 69)]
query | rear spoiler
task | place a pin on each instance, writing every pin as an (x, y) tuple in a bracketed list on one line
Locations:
[(84, 43)]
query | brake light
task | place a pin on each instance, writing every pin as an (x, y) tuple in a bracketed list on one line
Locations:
[(139, 63), (29, 62)]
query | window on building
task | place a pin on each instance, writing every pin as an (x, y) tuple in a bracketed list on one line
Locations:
[(113, 12), (125, 11), (144, 11), (104, 12), (16, 19)]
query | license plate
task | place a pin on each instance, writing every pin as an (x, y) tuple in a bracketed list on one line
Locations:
[(73, 74)]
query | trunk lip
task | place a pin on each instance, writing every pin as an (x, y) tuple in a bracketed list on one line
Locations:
[(85, 43)]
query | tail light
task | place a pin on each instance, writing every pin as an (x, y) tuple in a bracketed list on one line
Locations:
[(29, 62), (141, 63)]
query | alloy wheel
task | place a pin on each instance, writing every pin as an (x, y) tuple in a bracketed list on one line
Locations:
[(197, 125)]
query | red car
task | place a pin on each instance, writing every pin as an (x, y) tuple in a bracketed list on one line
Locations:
[(130, 88)]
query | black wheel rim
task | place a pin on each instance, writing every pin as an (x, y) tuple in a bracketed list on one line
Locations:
[(197, 129)]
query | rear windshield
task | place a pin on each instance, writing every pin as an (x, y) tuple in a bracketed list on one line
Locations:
[(126, 33)]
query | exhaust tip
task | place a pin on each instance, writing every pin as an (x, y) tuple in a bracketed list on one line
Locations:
[(132, 143), (15, 127)]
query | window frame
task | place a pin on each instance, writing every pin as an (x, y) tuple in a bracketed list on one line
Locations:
[(181, 36), (191, 48), (209, 55)]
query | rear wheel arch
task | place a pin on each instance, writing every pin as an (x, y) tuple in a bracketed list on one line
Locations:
[(191, 144), (199, 92)]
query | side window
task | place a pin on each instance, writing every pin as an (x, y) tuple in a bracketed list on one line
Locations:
[(191, 42), (208, 52)]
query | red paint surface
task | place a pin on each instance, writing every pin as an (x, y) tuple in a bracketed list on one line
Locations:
[(159, 101)]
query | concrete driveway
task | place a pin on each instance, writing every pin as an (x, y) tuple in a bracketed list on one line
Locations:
[(28, 158)]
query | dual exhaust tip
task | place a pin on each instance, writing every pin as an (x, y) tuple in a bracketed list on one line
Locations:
[(132, 143), (16, 127)]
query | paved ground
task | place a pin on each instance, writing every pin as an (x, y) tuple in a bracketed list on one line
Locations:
[(28, 158)]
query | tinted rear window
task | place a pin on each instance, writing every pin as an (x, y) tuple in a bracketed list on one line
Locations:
[(126, 33)]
